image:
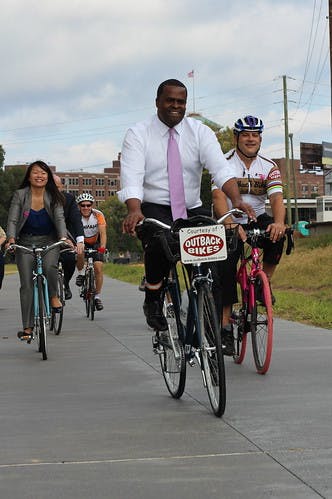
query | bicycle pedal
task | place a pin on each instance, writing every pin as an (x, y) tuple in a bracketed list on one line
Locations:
[(155, 342), (191, 357), (192, 361)]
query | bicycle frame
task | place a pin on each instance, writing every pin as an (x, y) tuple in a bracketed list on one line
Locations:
[(192, 325), (35, 273), (245, 279), (254, 313)]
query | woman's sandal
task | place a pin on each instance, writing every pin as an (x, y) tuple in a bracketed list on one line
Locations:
[(57, 310), (25, 336)]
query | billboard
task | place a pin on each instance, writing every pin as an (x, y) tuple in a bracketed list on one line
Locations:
[(327, 155), (311, 156)]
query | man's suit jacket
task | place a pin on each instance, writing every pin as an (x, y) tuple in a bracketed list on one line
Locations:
[(73, 217)]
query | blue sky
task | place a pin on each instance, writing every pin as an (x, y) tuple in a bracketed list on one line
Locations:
[(77, 73)]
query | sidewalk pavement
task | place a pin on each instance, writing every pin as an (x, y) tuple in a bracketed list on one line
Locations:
[(95, 420)]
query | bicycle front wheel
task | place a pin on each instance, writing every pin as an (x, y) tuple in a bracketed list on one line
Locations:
[(239, 321), (57, 318), (41, 319), (211, 351), (90, 295), (171, 351), (261, 322)]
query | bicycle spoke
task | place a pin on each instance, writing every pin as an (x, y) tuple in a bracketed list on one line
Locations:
[(171, 352), (57, 318), (41, 318), (211, 353), (262, 323), (240, 329)]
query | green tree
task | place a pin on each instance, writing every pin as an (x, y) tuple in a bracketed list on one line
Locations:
[(225, 138), (226, 141), (2, 156), (9, 181), (115, 212)]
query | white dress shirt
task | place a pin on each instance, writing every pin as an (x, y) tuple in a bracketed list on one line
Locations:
[(144, 161)]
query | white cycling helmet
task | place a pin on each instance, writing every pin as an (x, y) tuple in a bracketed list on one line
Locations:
[(85, 196), (248, 123)]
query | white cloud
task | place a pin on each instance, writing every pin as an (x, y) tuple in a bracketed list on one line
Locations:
[(90, 68)]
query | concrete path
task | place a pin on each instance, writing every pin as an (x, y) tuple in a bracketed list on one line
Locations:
[(96, 421)]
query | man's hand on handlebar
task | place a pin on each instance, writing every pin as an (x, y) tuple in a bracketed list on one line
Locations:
[(247, 208), (276, 230), (130, 222)]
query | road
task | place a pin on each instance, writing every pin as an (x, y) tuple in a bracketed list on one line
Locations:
[(96, 421)]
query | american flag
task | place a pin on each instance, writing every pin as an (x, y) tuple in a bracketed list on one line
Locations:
[(191, 74)]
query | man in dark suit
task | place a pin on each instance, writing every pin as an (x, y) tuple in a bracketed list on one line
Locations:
[(75, 230)]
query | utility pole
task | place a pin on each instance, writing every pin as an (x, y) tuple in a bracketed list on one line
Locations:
[(289, 207), (330, 26), (294, 183)]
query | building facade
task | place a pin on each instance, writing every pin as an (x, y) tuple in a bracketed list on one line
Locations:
[(100, 185), (308, 183)]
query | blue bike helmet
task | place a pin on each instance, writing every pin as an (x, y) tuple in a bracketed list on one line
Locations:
[(248, 123)]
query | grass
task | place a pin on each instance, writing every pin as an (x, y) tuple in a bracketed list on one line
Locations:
[(10, 268), (302, 283)]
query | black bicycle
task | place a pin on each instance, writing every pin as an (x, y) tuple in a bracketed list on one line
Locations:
[(88, 288), (196, 338)]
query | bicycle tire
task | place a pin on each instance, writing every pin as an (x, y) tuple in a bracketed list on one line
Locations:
[(261, 322), (212, 359), (57, 318), (84, 293), (239, 321), (171, 350), (41, 319), (91, 291)]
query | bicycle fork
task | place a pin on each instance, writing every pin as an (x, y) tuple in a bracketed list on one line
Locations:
[(46, 296)]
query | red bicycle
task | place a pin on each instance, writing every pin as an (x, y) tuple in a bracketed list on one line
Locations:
[(254, 313)]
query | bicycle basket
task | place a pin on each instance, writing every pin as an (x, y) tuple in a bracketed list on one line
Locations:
[(171, 245), (232, 237), (155, 235)]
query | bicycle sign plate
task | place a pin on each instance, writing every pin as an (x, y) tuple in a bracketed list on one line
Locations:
[(203, 244)]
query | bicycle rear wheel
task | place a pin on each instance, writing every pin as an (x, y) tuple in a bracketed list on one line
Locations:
[(57, 318), (171, 351), (261, 322), (211, 352), (41, 319)]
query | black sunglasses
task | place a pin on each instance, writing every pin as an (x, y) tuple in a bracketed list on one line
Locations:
[(86, 205)]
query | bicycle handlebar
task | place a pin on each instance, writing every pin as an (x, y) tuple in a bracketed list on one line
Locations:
[(34, 250), (256, 233), (233, 211), (172, 239), (162, 225), (290, 240), (90, 251)]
